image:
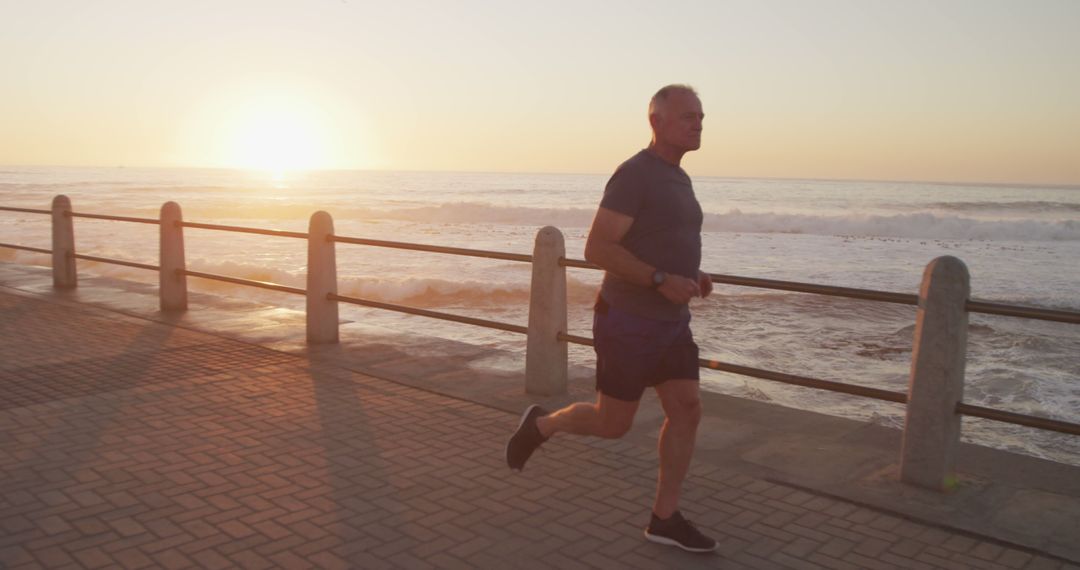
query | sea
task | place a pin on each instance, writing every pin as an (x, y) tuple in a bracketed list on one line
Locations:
[(1021, 245)]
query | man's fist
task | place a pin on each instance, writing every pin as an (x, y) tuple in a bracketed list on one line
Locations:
[(679, 289)]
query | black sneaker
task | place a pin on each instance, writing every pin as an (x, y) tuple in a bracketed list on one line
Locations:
[(677, 531), (526, 439)]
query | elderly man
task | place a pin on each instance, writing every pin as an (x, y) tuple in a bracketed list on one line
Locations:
[(647, 237)]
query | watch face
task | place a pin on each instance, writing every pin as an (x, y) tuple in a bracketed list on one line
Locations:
[(658, 278)]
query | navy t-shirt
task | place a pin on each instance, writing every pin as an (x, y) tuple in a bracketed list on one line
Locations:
[(666, 232)]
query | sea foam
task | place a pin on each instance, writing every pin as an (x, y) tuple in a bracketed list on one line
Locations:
[(913, 225)]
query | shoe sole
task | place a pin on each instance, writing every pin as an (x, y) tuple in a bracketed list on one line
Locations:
[(671, 542), (524, 416)]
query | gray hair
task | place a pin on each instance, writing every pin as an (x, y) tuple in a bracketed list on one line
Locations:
[(662, 95)]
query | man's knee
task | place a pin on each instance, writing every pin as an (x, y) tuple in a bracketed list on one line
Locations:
[(616, 416), (616, 420), (614, 427), (686, 411)]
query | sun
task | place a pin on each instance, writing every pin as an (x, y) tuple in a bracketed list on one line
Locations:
[(276, 137), (278, 143), (274, 126)]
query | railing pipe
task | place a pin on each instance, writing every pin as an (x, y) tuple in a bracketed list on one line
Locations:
[(63, 244), (25, 248), (1047, 424), (25, 210), (239, 281), (1039, 313), (576, 339), (322, 310), (113, 218), (244, 230), (849, 292), (434, 248), (546, 354), (829, 290), (578, 263), (172, 281), (111, 261), (840, 387), (973, 306), (795, 380), (932, 426), (430, 314)]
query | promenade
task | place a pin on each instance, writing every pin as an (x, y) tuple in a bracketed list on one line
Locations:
[(130, 439)]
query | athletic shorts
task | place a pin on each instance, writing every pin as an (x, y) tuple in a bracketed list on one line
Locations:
[(633, 352)]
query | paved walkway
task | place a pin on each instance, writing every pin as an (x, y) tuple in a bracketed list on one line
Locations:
[(127, 443)]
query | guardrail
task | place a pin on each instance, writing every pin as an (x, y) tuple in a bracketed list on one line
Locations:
[(933, 401)]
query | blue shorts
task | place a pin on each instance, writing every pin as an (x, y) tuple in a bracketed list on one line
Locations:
[(633, 353)]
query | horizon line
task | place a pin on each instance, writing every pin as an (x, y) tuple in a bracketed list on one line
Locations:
[(1048, 185)]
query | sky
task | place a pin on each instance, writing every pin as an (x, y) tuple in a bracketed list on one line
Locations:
[(941, 90)]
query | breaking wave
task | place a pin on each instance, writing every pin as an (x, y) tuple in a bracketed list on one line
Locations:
[(1038, 206), (966, 225), (912, 226), (443, 292), (915, 226), (462, 213)]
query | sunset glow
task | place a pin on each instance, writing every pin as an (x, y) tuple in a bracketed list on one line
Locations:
[(793, 89)]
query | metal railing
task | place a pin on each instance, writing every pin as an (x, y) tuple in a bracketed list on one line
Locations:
[(113, 218), (430, 314), (970, 305), (404, 309), (25, 248), (116, 261), (246, 282), (435, 249), (25, 210), (244, 230)]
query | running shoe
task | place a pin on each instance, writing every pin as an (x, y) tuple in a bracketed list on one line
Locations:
[(526, 438), (677, 531)]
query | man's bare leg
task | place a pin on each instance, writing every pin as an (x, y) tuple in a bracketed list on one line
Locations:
[(608, 418), (682, 406)]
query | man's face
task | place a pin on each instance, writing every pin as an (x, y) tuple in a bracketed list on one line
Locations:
[(679, 122)]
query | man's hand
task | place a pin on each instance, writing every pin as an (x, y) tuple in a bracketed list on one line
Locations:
[(704, 283), (679, 289)]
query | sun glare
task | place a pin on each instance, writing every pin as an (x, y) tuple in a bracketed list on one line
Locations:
[(276, 139), (274, 126)]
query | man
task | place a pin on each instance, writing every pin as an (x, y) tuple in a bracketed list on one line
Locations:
[(647, 237)]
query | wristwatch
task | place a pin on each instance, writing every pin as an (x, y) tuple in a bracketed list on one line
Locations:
[(658, 278)]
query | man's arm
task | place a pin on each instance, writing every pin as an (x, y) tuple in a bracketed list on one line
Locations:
[(603, 249)]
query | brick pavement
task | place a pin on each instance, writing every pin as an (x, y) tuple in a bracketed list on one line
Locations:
[(126, 443)]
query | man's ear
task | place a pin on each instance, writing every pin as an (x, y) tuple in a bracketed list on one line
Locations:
[(654, 120)]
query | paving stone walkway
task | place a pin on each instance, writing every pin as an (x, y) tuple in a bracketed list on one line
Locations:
[(126, 443)]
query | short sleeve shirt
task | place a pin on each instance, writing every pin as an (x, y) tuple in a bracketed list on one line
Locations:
[(666, 232)]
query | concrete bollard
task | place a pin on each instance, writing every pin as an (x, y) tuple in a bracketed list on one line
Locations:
[(172, 282), (932, 426), (322, 313), (545, 356), (63, 244)]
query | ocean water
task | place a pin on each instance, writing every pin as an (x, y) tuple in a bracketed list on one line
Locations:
[(1020, 244)]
